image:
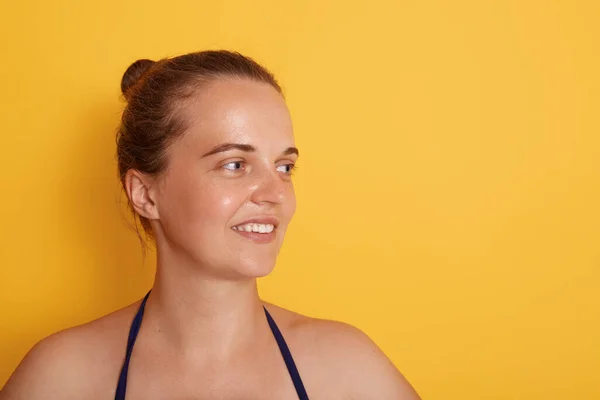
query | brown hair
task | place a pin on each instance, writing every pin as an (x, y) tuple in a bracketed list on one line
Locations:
[(154, 90)]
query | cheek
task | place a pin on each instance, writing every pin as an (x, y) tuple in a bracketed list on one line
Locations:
[(290, 204), (209, 207), (195, 207)]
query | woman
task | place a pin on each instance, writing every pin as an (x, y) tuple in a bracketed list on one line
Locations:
[(205, 153)]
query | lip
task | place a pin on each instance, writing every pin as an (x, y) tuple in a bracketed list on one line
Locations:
[(259, 238)]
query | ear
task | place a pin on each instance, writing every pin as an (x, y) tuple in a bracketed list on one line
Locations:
[(139, 189)]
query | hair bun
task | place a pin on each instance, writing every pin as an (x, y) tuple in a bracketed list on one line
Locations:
[(133, 74)]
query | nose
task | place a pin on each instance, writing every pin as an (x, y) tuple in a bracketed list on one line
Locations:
[(269, 187)]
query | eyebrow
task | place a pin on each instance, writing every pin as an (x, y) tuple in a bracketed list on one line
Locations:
[(244, 147)]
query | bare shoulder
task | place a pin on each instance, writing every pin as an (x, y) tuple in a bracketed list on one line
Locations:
[(79, 362), (334, 356)]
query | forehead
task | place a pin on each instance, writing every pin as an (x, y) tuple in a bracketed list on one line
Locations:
[(239, 111)]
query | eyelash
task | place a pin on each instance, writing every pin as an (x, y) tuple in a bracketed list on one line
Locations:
[(232, 162), (292, 167)]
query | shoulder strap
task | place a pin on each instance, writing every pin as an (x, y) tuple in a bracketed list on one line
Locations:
[(133, 332), (287, 357)]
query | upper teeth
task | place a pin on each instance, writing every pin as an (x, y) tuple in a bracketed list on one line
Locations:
[(260, 228)]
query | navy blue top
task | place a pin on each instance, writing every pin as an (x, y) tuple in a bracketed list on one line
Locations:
[(283, 347)]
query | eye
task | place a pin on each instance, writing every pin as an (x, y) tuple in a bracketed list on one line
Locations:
[(287, 169), (234, 166)]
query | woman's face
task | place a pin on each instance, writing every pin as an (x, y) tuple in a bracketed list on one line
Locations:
[(226, 197)]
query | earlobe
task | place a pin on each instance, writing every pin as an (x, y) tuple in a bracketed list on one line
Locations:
[(138, 187)]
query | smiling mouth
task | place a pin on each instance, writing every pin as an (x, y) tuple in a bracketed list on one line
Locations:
[(256, 228), (256, 232)]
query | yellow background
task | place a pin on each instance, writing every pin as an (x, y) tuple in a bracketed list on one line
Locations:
[(448, 185)]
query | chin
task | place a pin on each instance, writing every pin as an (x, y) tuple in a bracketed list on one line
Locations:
[(255, 268), (256, 261)]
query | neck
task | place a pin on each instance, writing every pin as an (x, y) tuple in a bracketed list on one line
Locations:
[(204, 315)]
